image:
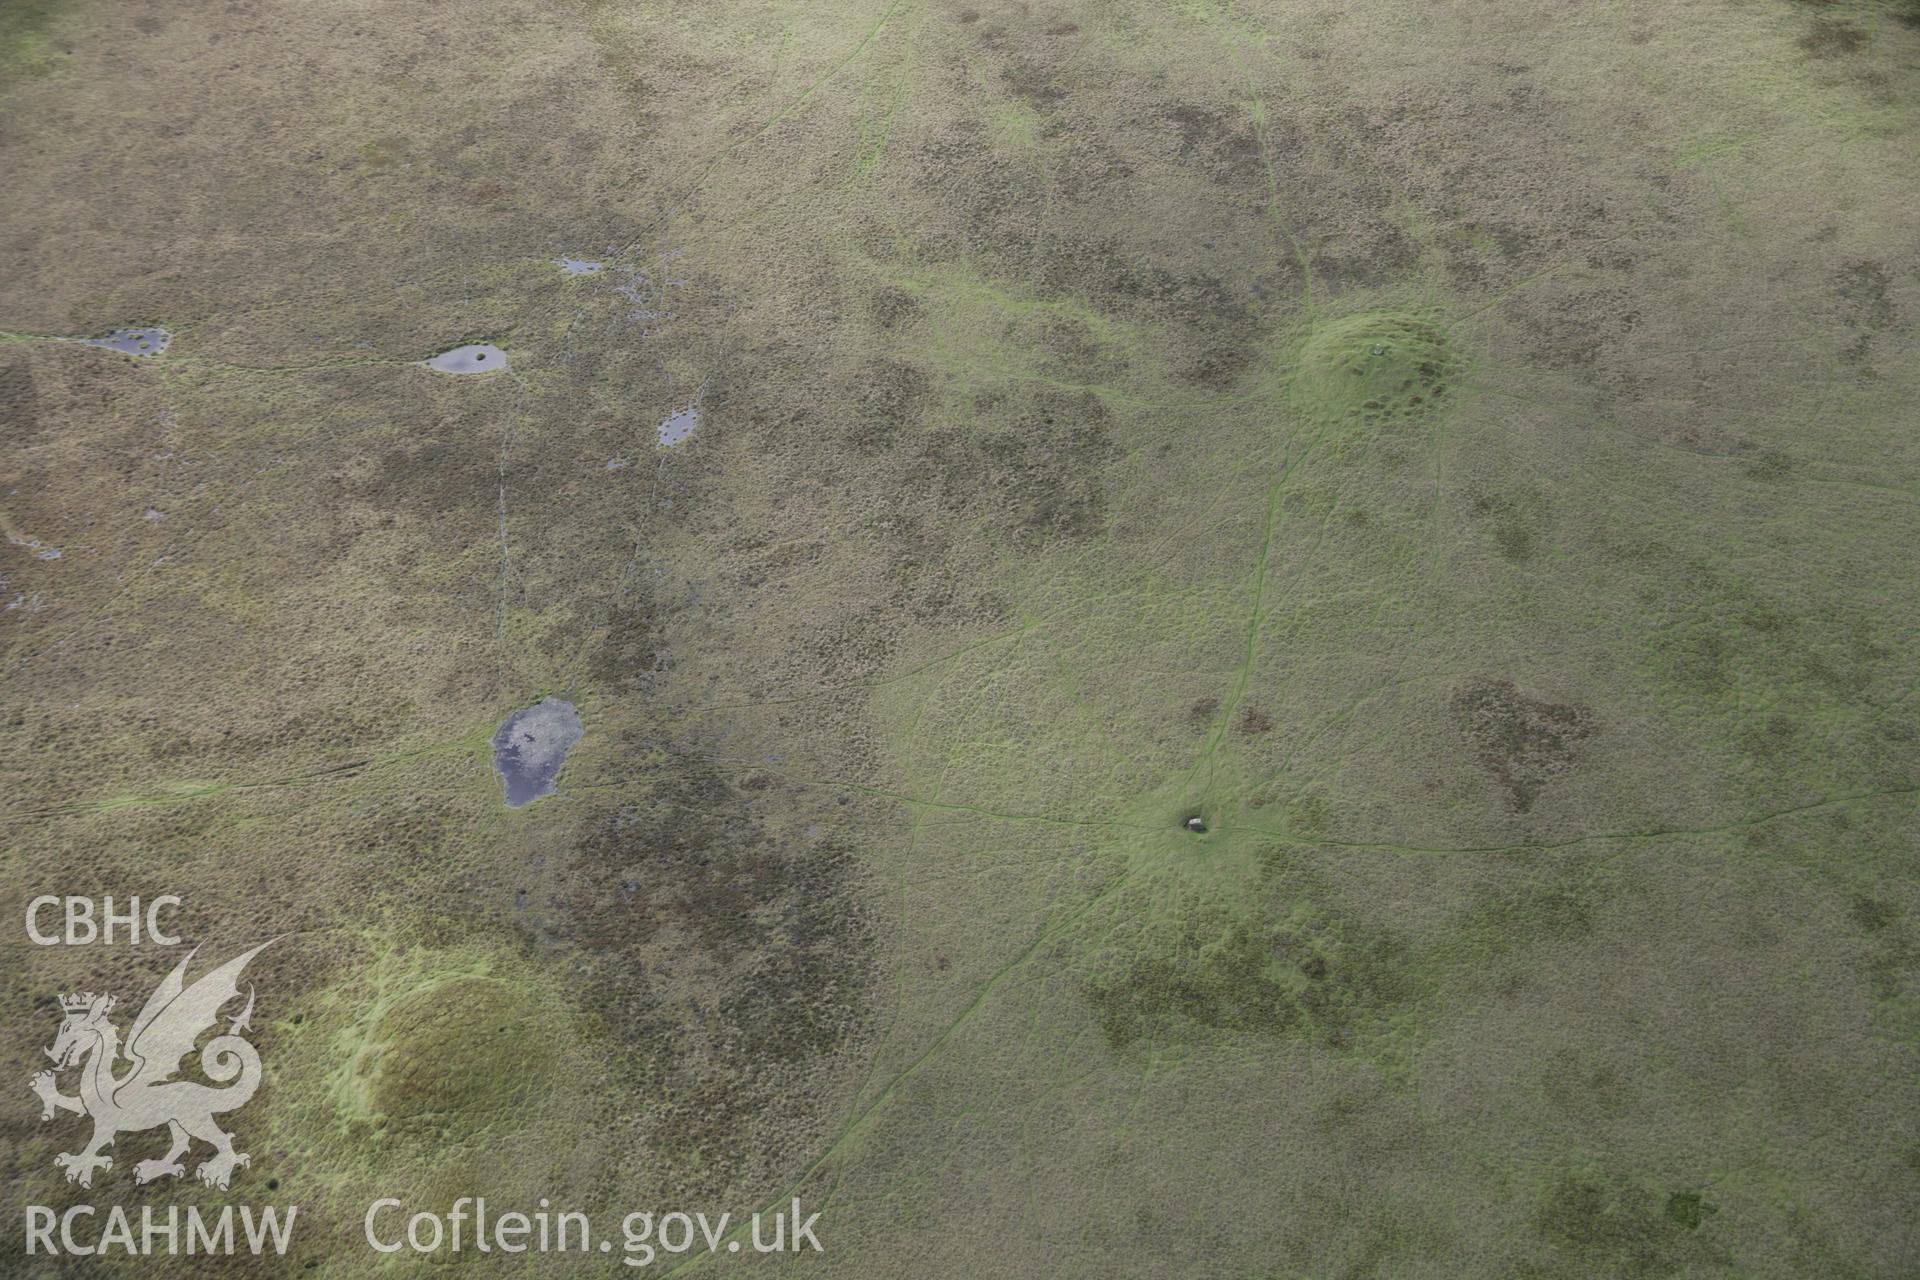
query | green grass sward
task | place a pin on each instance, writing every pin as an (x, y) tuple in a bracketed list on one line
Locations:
[(1321, 424)]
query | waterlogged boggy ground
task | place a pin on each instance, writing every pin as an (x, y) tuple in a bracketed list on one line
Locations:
[(474, 357), (679, 425), (1462, 455), (531, 745), (145, 343)]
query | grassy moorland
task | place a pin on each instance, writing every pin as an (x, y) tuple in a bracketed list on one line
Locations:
[(1464, 454)]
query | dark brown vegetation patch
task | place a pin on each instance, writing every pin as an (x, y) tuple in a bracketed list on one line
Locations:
[(729, 964), (1865, 288), (1280, 975), (1041, 470), (1832, 38), (1225, 144), (16, 400), (1524, 743), (1616, 1229)]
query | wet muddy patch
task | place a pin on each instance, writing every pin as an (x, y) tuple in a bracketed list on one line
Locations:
[(474, 357), (144, 343), (530, 747), (679, 425), (41, 551)]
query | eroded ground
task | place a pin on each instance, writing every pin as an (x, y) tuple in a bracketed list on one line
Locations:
[(1464, 454)]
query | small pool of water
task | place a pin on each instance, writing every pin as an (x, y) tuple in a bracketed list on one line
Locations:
[(134, 342), (581, 266), (531, 745), (679, 426), (475, 357)]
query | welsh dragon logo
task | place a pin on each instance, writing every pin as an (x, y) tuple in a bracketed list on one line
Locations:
[(147, 1095)]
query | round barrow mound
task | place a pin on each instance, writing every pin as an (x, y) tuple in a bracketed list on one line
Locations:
[(1373, 367)]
